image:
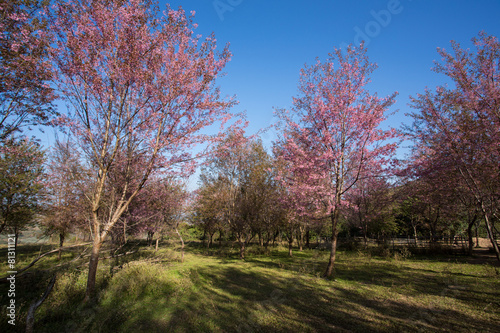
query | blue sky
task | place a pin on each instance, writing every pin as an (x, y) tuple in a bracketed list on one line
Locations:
[(271, 40)]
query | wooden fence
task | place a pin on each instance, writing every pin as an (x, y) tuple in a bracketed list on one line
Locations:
[(458, 243)]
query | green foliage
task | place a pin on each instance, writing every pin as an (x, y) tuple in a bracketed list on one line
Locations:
[(190, 232), (238, 193), (21, 175)]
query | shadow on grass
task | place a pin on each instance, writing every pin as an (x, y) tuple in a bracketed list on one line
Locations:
[(272, 294), (246, 298), (239, 299)]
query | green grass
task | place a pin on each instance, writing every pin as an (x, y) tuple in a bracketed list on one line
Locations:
[(148, 292)]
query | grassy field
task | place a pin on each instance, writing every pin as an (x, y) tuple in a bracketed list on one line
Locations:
[(216, 292)]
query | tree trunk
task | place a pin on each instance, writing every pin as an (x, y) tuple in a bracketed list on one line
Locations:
[(220, 237), (433, 227), (477, 235), (16, 232), (364, 227), (274, 238), (150, 238), (470, 236), (156, 246), (242, 247), (333, 251), (290, 245), (125, 231), (208, 244), (308, 238), (61, 243), (182, 244), (415, 233), (490, 232), (93, 262), (301, 238)]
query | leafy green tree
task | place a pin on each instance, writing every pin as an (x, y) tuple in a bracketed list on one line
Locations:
[(370, 208), (208, 210), (238, 192), (225, 171), (21, 182), (66, 206)]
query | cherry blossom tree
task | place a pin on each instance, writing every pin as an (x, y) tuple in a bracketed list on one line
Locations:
[(291, 207), (332, 135), (25, 100), (25, 95), (460, 126), (436, 197), (139, 86)]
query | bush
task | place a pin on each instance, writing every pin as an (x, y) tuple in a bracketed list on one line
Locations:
[(381, 251), (351, 244), (402, 254)]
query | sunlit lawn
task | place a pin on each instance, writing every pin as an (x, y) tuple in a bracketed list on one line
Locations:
[(148, 292)]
